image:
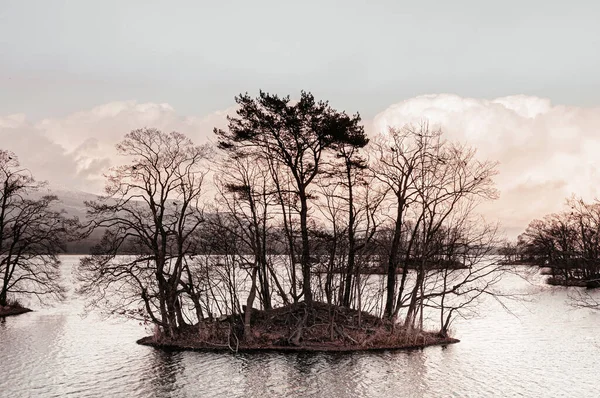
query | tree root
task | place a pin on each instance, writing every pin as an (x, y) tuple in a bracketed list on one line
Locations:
[(344, 335), (296, 336)]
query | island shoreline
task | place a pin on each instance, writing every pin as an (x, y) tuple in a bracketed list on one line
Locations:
[(12, 311), (299, 327), (323, 348)]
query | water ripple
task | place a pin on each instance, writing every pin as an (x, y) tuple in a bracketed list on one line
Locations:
[(543, 349)]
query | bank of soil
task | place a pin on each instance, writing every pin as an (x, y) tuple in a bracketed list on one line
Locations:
[(12, 310), (298, 328)]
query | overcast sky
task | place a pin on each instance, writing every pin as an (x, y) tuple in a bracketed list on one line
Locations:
[(517, 79)]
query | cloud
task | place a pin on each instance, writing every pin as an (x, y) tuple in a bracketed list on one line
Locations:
[(546, 152), (75, 151), (46, 159)]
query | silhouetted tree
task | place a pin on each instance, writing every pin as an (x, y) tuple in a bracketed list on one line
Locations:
[(568, 242), (297, 136), (428, 179), (352, 176), (151, 210), (32, 234)]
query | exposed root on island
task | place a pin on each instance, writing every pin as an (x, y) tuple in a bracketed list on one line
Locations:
[(299, 327)]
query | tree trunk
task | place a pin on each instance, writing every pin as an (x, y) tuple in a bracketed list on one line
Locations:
[(412, 307), (179, 313), (305, 260), (162, 300), (290, 241), (248, 312), (393, 263), (330, 270), (4, 291), (264, 282), (351, 240)]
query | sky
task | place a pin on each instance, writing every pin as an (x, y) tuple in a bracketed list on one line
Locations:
[(517, 79)]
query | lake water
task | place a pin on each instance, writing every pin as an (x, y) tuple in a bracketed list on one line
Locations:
[(543, 349)]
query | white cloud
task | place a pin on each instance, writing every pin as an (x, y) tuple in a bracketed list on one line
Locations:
[(74, 151), (546, 152)]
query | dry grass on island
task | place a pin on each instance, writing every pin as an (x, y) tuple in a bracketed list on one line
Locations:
[(13, 308), (298, 327)]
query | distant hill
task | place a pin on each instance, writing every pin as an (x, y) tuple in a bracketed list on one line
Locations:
[(72, 202)]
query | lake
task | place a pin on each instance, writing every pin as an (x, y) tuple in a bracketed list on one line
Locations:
[(542, 348)]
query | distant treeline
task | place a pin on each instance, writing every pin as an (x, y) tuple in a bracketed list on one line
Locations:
[(567, 243)]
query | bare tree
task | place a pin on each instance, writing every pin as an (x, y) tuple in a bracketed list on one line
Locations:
[(429, 179), (450, 182), (333, 236), (397, 156), (351, 178), (349, 202), (32, 235), (151, 211), (568, 242), (456, 290)]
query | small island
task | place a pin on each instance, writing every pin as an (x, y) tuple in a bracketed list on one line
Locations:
[(13, 308), (299, 327), (564, 245), (335, 251)]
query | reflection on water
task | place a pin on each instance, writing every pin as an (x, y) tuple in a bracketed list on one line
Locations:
[(546, 349), (165, 368)]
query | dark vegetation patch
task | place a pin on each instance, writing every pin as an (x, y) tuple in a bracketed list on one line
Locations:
[(13, 307), (299, 327)]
